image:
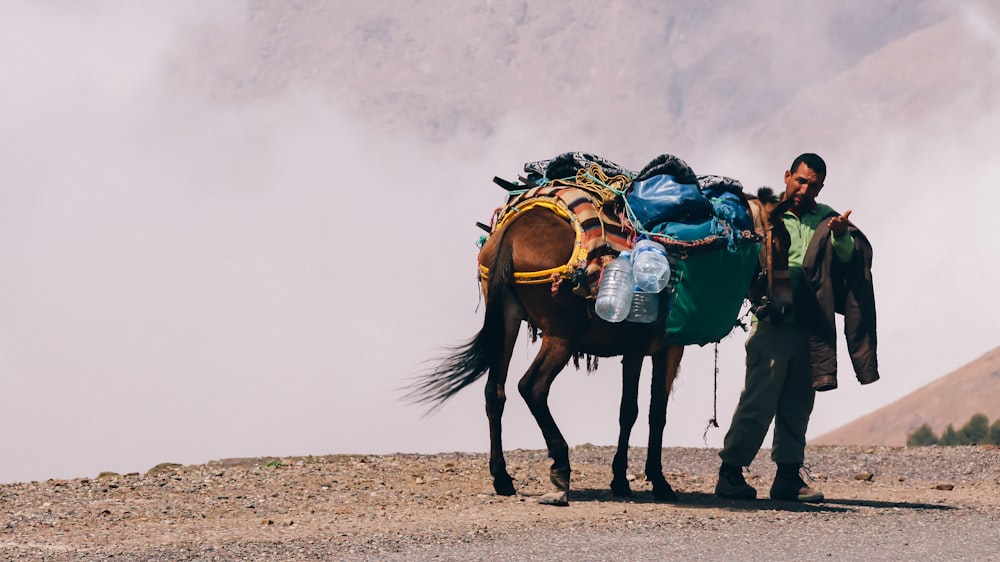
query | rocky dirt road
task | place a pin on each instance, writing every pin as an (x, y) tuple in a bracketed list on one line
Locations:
[(882, 503)]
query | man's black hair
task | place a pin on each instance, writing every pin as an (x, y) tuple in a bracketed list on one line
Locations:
[(813, 161)]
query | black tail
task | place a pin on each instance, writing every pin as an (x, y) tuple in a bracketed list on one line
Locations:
[(468, 363)]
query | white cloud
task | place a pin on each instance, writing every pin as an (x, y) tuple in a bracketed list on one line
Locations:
[(186, 279)]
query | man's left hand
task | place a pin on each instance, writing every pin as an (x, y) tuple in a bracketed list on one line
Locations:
[(838, 225)]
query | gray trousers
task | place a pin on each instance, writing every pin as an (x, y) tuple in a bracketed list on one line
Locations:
[(778, 388)]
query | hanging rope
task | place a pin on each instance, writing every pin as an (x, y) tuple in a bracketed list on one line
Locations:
[(714, 422), (606, 187)]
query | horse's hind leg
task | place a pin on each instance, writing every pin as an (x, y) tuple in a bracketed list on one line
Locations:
[(666, 363), (534, 387), (628, 413), (496, 398)]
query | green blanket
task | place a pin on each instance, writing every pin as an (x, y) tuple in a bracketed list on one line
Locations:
[(708, 293)]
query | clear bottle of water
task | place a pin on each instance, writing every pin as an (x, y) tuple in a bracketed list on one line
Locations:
[(650, 265), (645, 307), (614, 294)]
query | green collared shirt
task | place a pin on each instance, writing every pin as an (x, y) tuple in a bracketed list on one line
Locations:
[(800, 231)]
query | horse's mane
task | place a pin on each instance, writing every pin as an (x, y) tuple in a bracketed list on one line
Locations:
[(766, 195)]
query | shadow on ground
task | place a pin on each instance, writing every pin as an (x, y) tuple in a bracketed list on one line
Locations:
[(699, 500)]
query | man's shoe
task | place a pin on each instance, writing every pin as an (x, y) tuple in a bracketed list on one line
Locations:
[(732, 486), (791, 487)]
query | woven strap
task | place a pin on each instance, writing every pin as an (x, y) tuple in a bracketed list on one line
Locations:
[(576, 261)]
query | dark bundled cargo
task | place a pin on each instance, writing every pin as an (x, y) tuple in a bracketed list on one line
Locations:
[(703, 222)]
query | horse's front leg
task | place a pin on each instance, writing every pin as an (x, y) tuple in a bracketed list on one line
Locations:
[(534, 388), (627, 414), (666, 363)]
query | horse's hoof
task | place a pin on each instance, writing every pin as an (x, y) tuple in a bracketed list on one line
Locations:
[(559, 478), (504, 486), (664, 493), (621, 489), (554, 498)]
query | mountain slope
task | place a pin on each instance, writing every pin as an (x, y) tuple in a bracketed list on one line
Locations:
[(617, 74), (952, 399), (926, 77)]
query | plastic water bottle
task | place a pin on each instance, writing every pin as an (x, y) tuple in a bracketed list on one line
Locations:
[(650, 265), (645, 307), (614, 294)]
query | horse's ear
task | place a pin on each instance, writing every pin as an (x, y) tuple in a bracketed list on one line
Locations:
[(766, 195)]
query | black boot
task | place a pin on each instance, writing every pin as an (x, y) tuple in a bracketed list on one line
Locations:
[(789, 486), (731, 484)]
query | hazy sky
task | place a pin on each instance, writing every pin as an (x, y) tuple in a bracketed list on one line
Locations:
[(183, 280)]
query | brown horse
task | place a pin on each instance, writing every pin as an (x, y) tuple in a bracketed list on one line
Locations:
[(537, 240)]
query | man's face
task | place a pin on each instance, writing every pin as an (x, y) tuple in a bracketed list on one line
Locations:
[(802, 185)]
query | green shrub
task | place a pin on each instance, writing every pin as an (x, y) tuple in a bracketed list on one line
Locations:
[(994, 436), (949, 437), (975, 431), (922, 437)]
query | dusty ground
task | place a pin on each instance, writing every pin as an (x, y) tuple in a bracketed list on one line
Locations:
[(443, 507)]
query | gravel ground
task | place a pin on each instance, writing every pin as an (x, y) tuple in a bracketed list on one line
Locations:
[(882, 503)]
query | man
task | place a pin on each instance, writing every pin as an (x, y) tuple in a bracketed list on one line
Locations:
[(782, 363)]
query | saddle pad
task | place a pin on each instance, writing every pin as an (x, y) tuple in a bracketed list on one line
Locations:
[(600, 228)]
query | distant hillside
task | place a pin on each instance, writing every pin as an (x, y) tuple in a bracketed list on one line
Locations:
[(952, 399), (907, 80), (444, 70)]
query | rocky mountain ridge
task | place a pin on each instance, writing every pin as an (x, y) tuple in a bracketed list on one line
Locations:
[(952, 399), (442, 71)]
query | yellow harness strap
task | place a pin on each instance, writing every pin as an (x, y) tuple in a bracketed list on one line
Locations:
[(576, 261)]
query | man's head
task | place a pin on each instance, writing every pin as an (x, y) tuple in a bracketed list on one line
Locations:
[(803, 182)]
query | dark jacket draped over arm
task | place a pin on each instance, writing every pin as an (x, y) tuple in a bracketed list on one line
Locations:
[(844, 288)]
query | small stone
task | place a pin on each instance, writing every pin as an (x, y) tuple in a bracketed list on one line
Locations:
[(865, 476), (554, 498), (944, 487)]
